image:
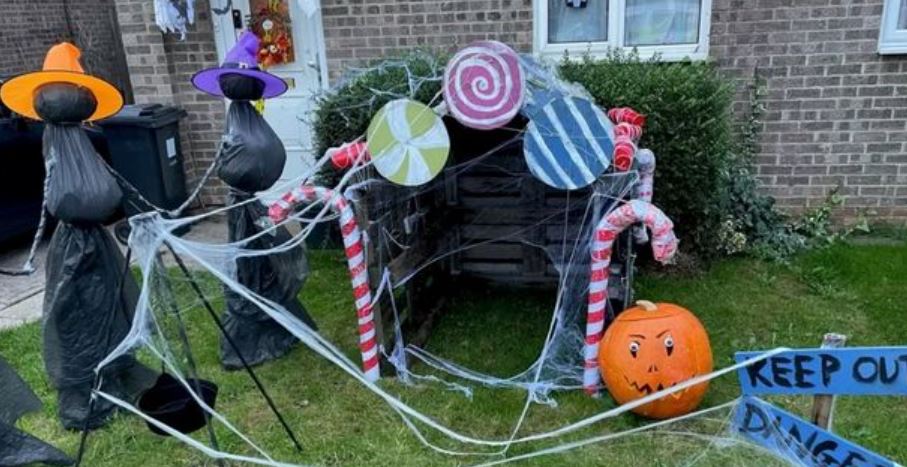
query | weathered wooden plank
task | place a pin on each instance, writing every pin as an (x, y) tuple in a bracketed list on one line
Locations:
[(511, 216), (490, 268), (514, 280), (502, 233), (824, 404), (406, 262), (478, 185), (500, 163), (482, 202), (558, 232), (451, 187), (555, 235), (419, 331), (493, 252)]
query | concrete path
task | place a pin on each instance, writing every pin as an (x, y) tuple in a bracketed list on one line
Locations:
[(22, 297)]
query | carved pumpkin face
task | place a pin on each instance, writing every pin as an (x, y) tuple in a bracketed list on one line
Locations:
[(651, 347)]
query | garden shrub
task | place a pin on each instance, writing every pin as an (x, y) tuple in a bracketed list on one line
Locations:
[(752, 223)]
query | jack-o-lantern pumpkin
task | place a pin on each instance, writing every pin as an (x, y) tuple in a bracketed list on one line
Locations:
[(651, 347)]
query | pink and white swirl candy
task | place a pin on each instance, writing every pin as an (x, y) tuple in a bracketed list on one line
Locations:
[(484, 85)]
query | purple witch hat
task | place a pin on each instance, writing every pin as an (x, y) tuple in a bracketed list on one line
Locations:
[(239, 60)]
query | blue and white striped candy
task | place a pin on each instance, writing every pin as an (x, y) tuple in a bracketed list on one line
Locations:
[(568, 143)]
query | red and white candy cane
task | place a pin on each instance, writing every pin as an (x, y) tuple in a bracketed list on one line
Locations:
[(627, 114), (645, 160), (355, 258), (624, 152), (626, 135), (348, 154), (628, 129), (664, 245)]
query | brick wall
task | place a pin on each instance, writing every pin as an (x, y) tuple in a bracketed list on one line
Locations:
[(160, 68), (836, 110), (27, 30), (357, 31)]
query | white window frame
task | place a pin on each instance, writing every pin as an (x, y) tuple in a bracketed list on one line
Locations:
[(891, 39), (616, 16)]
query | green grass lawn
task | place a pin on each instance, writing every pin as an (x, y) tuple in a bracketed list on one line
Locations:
[(745, 304)]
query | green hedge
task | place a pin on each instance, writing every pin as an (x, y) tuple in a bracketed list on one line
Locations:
[(689, 125)]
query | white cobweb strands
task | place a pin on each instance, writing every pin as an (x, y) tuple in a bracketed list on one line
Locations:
[(168, 300), (558, 366)]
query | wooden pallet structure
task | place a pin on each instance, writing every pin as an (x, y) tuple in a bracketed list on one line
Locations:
[(485, 218)]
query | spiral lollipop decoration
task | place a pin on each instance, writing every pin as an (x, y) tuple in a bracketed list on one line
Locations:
[(568, 143), (408, 143), (484, 85)]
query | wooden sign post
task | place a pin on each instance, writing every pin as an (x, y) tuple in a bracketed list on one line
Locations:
[(824, 404)]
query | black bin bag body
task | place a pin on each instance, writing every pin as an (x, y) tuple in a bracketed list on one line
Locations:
[(252, 160), (81, 190), (84, 316), (253, 156), (278, 277)]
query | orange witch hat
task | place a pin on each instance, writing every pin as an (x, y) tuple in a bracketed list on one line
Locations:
[(61, 65)]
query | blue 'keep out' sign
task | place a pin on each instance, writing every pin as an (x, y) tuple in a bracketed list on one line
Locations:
[(880, 371)]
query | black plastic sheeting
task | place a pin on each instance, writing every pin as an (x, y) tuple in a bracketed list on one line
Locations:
[(17, 447), (84, 317), (81, 190), (253, 159), (84, 321), (277, 277), (252, 156)]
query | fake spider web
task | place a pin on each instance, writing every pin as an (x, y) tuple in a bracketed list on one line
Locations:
[(170, 298)]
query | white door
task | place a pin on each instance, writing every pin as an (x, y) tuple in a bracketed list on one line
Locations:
[(291, 114)]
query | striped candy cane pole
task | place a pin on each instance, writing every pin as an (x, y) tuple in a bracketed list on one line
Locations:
[(626, 114), (646, 187), (664, 245), (624, 152), (626, 136), (355, 259)]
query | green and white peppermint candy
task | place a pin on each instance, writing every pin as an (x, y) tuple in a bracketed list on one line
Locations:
[(408, 143)]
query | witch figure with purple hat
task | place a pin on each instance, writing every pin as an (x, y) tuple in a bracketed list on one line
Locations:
[(252, 158)]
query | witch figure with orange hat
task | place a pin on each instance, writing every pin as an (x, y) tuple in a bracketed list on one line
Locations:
[(88, 300), (251, 160)]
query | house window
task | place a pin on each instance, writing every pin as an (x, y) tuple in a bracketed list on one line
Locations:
[(674, 29), (893, 34)]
